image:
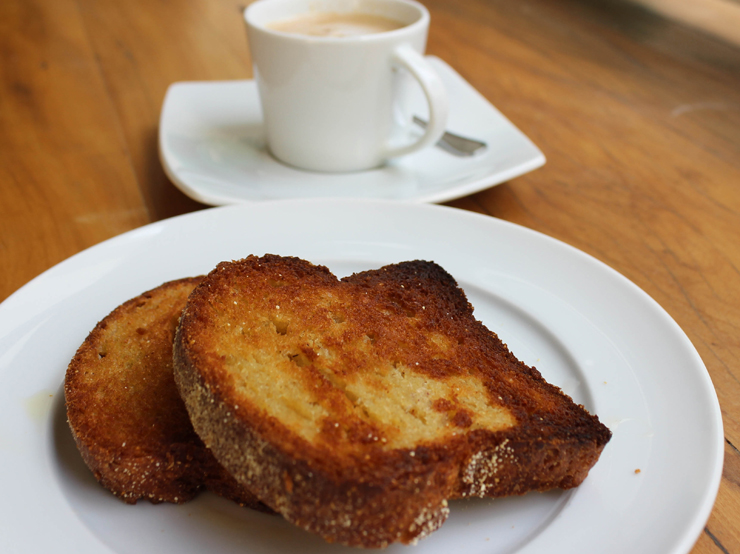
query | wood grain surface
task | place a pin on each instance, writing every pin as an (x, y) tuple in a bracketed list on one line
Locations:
[(638, 116)]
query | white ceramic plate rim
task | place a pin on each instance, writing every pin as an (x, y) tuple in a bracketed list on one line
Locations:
[(673, 434)]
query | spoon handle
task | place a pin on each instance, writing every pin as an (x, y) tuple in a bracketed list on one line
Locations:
[(455, 144)]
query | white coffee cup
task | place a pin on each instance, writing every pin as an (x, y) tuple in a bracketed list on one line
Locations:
[(333, 103)]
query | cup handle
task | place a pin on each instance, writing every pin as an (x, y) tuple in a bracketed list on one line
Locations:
[(435, 93)]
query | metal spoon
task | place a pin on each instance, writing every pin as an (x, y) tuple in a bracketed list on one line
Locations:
[(455, 144)]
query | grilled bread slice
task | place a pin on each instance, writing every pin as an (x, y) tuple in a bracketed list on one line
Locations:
[(357, 408), (126, 415)]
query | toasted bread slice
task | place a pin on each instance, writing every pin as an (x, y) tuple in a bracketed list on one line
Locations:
[(126, 414), (356, 408)]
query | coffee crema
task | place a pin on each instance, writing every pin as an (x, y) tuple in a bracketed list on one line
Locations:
[(335, 24)]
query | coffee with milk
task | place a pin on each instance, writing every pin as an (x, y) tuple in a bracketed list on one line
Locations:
[(335, 24), (334, 80)]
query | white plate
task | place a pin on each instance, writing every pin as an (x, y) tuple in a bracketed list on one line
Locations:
[(212, 148), (586, 328)]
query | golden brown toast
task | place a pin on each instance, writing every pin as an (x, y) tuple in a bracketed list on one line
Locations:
[(125, 412), (357, 408)]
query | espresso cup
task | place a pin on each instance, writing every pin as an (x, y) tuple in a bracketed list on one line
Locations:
[(333, 76)]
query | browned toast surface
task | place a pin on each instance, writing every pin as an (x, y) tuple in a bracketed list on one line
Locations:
[(126, 414), (356, 408)]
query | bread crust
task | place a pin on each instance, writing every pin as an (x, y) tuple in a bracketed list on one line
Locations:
[(488, 425), (125, 413)]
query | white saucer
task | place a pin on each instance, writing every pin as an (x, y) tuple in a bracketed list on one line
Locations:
[(212, 148)]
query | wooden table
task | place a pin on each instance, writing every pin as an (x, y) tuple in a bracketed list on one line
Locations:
[(639, 119)]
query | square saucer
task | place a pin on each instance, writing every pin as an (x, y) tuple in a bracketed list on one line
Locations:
[(212, 148)]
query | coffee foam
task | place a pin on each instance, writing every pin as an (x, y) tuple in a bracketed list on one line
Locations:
[(336, 25)]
